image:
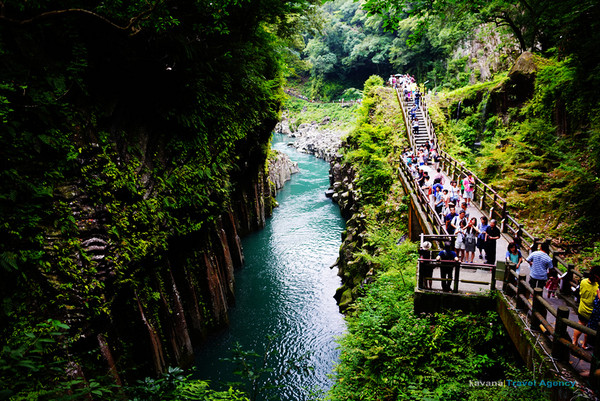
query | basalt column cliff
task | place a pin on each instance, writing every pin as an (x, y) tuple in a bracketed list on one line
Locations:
[(133, 148)]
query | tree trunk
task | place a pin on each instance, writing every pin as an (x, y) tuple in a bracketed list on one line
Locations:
[(157, 351), (107, 354)]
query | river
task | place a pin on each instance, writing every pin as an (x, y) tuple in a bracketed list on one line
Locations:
[(285, 290)]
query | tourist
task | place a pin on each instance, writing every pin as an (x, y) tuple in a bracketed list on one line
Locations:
[(594, 317), (469, 188), (483, 225), (492, 234), (438, 198), (446, 198), (588, 290), (552, 283), (447, 255), (417, 98), (423, 179), (513, 255), (426, 268), (415, 127), (470, 240), (460, 238), (439, 177), (539, 264), (463, 207), (458, 219), (436, 158), (448, 219), (454, 192)]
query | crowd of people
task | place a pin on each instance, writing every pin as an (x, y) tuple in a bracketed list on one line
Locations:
[(451, 200), (472, 236)]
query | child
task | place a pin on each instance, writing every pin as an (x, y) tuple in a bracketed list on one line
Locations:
[(552, 283)]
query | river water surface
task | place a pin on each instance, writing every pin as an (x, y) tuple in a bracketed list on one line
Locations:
[(286, 289)]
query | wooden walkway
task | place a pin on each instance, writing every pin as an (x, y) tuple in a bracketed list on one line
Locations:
[(548, 321)]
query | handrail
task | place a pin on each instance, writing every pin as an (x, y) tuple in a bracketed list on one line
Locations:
[(494, 206), (556, 334), (490, 202), (457, 268)]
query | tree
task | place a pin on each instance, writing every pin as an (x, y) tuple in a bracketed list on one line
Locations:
[(530, 21)]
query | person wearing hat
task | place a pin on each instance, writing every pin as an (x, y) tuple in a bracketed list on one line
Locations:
[(426, 269)]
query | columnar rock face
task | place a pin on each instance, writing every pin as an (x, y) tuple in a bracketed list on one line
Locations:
[(184, 293)]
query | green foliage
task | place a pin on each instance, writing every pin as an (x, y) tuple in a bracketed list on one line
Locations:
[(339, 118), (175, 385), (390, 353), (529, 22), (374, 81), (126, 124), (31, 368)]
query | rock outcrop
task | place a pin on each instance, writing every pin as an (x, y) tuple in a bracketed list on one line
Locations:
[(353, 272), (281, 169), (313, 139)]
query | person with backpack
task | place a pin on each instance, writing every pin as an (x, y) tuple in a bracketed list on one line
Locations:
[(460, 244), (448, 220), (539, 265)]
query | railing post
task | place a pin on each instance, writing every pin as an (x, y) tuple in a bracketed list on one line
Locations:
[(504, 218), (595, 359), (508, 279), (565, 288), (493, 280), (521, 290), (559, 350), (537, 307), (482, 200), (494, 203), (456, 276), (455, 169)]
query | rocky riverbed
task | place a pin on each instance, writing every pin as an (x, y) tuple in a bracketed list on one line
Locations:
[(313, 138)]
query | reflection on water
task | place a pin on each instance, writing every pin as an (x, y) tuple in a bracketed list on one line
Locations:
[(286, 287)]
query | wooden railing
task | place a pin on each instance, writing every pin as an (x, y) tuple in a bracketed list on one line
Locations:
[(531, 302), (404, 108), (491, 204), (458, 267), (423, 204)]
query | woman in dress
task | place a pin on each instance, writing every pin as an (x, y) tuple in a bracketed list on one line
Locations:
[(471, 240)]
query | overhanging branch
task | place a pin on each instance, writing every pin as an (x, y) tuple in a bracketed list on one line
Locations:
[(131, 26)]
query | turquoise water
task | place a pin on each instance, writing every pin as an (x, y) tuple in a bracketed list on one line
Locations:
[(286, 288)]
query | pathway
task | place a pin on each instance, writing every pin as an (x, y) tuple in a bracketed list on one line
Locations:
[(479, 274)]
